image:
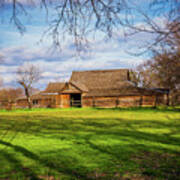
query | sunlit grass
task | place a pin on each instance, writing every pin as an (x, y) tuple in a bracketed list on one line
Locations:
[(90, 143)]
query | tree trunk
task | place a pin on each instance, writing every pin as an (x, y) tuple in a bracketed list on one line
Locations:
[(28, 97)]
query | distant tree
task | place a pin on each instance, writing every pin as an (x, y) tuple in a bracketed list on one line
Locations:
[(8, 96), (166, 68), (27, 76), (163, 69), (142, 76)]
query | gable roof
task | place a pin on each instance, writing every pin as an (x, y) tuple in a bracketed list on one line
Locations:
[(107, 83), (80, 86), (71, 88), (100, 79), (54, 87), (64, 87)]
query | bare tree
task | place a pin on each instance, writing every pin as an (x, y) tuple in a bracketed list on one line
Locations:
[(143, 76), (161, 71), (160, 19), (27, 75), (81, 18), (8, 97)]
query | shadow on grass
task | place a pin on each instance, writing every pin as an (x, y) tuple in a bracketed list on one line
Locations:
[(100, 126), (112, 140), (17, 166), (42, 161)]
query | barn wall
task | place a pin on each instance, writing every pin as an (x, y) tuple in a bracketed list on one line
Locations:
[(149, 100), (65, 100), (121, 101), (87, 101), (7, 105), (22, 103), (58, 101), (129, 101), (110, 102), (42, 103), (45, 103)]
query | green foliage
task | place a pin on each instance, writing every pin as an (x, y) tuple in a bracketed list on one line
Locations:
[(90, 143)]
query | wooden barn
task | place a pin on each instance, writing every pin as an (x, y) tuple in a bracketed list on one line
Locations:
[(98, 88)]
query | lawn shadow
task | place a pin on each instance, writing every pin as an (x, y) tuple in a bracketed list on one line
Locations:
[(115, 138), (42, 161)]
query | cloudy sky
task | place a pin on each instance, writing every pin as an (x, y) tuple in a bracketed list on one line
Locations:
[(17, 49)]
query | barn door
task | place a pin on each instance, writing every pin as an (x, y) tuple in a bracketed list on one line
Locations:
[(75, 100)]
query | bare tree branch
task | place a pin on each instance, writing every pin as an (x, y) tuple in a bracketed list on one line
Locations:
[(27, 75), (79, 18)]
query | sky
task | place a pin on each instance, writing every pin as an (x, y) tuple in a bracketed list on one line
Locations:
[(17, 49)]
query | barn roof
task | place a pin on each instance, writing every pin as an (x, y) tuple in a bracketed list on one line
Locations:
[(100, 79), (54, 87), (123, 91), (107, 83)]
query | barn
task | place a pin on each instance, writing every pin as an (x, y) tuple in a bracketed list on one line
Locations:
[(97, 88)]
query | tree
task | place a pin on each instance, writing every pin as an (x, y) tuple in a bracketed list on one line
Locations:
[(166, 68), (162, 70), (143, 76), (8, 96), (81, 18), (27, 76)]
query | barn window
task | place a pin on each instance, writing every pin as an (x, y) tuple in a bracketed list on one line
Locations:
[(35, 101)]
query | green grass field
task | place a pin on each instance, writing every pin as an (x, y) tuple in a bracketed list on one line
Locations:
[(90, 144)]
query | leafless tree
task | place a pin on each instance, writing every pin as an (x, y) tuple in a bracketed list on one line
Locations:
[(161, 71), (160, 19), (81, 18), (8, 97), (143, 76), (27, 76)]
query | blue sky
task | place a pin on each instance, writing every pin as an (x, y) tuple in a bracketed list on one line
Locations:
[(17, 49)]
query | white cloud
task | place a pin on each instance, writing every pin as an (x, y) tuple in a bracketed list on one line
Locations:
[(58, 66)]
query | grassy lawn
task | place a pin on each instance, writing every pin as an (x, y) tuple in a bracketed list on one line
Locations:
[(90, 144)]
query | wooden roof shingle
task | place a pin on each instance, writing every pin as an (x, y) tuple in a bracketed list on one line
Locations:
[(54, 87), (108, 83), (100, 79)]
